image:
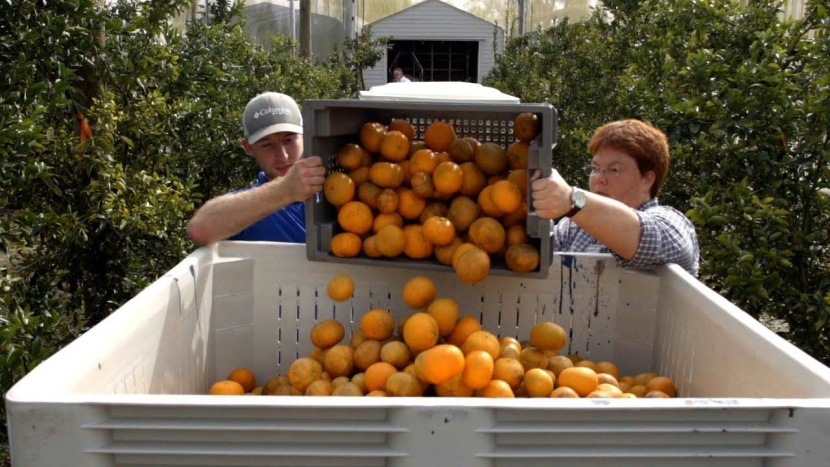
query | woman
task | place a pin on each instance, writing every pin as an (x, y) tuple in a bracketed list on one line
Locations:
[(620, 214)]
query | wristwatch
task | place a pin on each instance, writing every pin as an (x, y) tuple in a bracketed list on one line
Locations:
[(578, 200)]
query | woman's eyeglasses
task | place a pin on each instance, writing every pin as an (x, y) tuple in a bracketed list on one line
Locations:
[(593, 171)]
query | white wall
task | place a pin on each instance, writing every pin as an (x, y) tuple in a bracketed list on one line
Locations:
[(436, 21)]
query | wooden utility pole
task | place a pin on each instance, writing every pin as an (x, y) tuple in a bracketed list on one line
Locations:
[(305, 28), (521, 17)]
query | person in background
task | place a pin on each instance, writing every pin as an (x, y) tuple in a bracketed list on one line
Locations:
[(620, 213), (271, 209), (397, 73)]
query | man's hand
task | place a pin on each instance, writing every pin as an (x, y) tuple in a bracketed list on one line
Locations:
[(305, 178), (551, 196)]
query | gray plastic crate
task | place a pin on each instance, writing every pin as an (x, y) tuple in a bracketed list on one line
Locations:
[(330, 124)]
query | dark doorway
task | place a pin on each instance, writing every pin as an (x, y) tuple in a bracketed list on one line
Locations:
[(435, 60)]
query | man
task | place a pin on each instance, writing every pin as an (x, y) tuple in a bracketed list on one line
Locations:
[(620, 213), (399, 76), (272, 208)]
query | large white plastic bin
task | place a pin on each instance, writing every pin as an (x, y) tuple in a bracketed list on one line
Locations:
[(128, 392)]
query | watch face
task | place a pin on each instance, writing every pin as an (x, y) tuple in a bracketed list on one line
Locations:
[(579, 198)]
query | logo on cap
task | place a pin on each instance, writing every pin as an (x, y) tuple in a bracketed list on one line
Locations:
[(273, 111)]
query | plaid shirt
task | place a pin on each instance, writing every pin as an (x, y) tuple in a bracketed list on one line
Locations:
[(668, 237)]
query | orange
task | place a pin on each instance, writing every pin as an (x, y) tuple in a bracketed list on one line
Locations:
[(485, 202), (509, 371), (463, 248), (377, 324), (538, 383), (402, 384), (394, 146), (338, 188), (319, 388), (662, 384), (387, 201), (416, 145), (548, 335), (396, 353), (564, 391), (371, 135), (439, 230), (482, 340), (424, 160), (391, 240), (557, 363), (420, 332), (522, 258), (346, 245), (339, 361), (659, 394), (368, 192), (455, 387), (419, 291), (303, 371), (460, 150), (350, 156), (487, 234), (439, 135), (608, 367), (417, 246), (410, 205), (226, 388), (421, 183), (478, 369), (374, 378), (506, 196), (359, 175), (443, 253), (526, 126), (587, 364), (448, 177), (517, 155), (637, 390), (472, 265), (531, 357), (370, 247), (510, 351), (517, 217), (355, 217), (605, 378), (583, 380), (244, 377), (473, 179), (445, 311), (497, 389), (644, 378), (465, 326), (515, 235), (399, 124), (347, 389), (442, 363), (327, 333), (519, 177), (435, 208), (340, 288), (386, 174), (367, 353), (462, 212), (382, 220), (490, 158)]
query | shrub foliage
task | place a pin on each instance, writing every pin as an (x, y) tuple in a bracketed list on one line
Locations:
[(87, 224), (744, 97)]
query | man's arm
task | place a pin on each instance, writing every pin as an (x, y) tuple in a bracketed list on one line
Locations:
[(227, 215), (611, 222)]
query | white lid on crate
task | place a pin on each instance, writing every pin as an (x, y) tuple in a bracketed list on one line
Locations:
[(443, 91)]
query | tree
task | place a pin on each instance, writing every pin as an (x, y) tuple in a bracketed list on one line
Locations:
[(743, 96)]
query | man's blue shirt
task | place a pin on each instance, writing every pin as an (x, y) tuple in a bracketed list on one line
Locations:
[(285, 225)]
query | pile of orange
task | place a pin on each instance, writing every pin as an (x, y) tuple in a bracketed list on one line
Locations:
[(438, 351), (445, 197)]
